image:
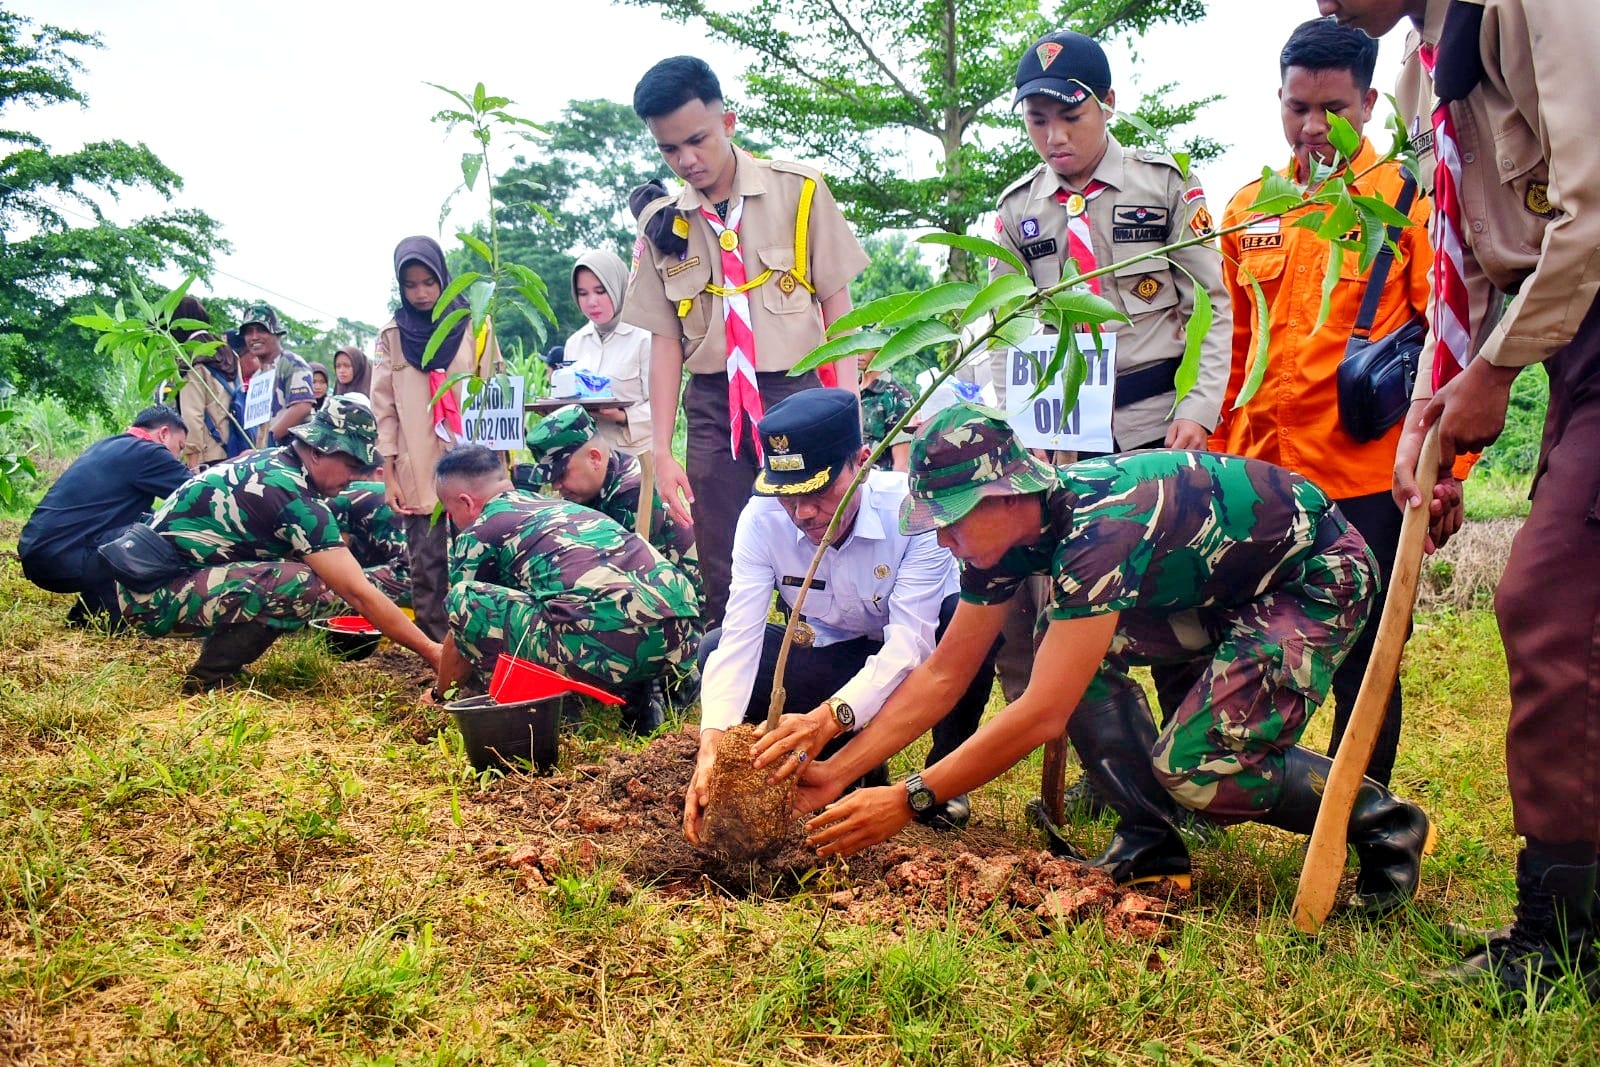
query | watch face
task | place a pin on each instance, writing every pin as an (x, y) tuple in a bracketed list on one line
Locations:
[(919, 796)]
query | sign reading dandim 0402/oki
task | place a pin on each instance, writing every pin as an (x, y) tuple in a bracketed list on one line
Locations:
[(494, 418), (1044, 421)]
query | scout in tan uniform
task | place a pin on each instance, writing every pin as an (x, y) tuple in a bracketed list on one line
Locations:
[(1516, 181), (752, 250), (1135, 201)]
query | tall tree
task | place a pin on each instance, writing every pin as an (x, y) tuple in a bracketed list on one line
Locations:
[(51, 265), (845, 82)]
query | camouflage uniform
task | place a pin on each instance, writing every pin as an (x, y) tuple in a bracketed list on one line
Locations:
[(883, 403), (1207, 557), (291, 375), (559, 583), (375, 538), (553, 440), (243, 525)]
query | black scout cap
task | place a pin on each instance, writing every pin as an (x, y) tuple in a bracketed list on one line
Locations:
[(1065, 65), (805, 439)]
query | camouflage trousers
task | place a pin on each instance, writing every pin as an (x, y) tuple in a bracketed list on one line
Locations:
[(282, 594), (489, 619), (391, 579), (1261, 669)]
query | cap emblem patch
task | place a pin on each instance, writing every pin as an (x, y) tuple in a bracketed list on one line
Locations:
[(1047, 53)]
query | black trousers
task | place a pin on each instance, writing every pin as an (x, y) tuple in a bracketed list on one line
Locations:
[(815, 674), (721, 483)]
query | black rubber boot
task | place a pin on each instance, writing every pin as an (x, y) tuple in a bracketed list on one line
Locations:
[(225, 653), (1390, 835), (1082, 801), (644, 708), (1469, 938), (1552, 936), (1114, 738)]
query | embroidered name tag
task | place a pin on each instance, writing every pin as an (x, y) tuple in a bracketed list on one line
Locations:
[(1253, 242), (794, 581), (1039, 249), (1126, 234), (678, 268)]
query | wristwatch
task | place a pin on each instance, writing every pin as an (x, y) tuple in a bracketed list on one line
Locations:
[(843, 713), (919, 796)]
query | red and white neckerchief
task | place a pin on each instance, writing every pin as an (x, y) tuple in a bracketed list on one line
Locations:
[(1451, 307), (447, 424), (744, 399), (1079, 246)]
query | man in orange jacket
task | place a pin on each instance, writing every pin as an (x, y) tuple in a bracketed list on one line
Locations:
[(1293, 420)]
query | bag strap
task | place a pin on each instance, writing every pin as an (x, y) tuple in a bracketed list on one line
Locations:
[(1379, 275)]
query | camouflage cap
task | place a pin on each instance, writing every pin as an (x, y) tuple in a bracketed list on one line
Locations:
[(264, 316), (554, 438), (959, 457), (342, 425)]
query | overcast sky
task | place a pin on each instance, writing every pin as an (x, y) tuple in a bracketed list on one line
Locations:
[(303, 128)]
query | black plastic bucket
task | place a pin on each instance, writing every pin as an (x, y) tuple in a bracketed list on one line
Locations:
[(510, 736)]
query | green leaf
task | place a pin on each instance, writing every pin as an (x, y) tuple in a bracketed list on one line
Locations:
[(1082, 307), (536, 299), (1374, 235), (471, 164), (936, 301), (1077, 374), (536, 324), (869, 313), (99, 323), (1343, 136), (1277, 194), (1005, 288), (1194, 335), (440, 332), (1258, 365), (457, 286), (978, 246), (478, 299), (1013, 332), (1329, 280), (478, 96), (1385, 211), (910, 340), (850, 344), (1340, 221), (478, 245), (1182, 159)]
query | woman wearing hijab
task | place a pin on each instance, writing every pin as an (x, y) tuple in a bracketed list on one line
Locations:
[(608, 346), (206, 400), (413, 430), (351, 372), (320, 381)]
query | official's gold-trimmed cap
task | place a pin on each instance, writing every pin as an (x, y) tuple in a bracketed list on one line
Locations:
[(805, 440)]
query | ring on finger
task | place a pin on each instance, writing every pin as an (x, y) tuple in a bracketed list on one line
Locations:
[(799, 755)]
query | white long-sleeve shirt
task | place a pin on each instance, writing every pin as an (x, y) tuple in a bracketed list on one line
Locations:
[(877, 583), (624, 357)]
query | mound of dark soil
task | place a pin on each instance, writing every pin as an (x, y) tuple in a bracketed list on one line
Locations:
[(627, 812)]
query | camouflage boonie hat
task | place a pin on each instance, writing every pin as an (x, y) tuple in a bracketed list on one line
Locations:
[(959, 457), (342, 425), (554, 438), (264, 316)]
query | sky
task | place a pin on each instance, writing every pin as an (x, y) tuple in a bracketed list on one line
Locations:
[(304, 128)]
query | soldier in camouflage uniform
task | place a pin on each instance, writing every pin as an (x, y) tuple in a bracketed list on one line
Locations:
[(883, 402), (570, 457), (263, 548), (1156, 557), (293, 399), (373, 532), (557, 583)]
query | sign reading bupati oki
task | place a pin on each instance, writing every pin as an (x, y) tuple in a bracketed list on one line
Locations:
[(1044, 421), (494, 418), (258, 399)]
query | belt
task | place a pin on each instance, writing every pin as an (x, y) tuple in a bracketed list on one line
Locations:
[(1146, 382)]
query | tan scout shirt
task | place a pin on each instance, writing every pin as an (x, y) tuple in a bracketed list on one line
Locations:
[(787, 325), (1530, 174), (1156, 296), (400, 394), (203, 395)]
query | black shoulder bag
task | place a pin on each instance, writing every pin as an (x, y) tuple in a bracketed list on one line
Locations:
[(1376, 377), (142, 559)]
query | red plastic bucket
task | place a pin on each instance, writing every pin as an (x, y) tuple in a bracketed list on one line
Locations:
[(516, 679)]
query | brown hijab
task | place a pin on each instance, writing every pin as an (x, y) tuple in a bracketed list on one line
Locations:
[(360, 372)]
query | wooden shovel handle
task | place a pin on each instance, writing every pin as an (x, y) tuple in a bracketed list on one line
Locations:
[(1325, 858), (647, 495)]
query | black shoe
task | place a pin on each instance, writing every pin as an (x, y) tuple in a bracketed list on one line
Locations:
[(953, 814), (1083, 801), (1553, 934), (225, 653), (1469, 938), (644, 709), (1390, 835), (1114, 738)]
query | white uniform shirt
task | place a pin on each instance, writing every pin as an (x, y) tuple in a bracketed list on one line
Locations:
[(624, 357), (878, 583)]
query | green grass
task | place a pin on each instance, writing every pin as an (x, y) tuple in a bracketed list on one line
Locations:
[(285, 875)]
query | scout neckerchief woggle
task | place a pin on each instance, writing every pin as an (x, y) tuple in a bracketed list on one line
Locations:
[(1079, 246), (744, 399)]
